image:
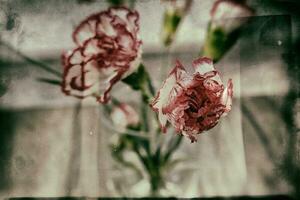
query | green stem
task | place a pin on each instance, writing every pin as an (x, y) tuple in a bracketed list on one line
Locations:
[(150, 86), (174, 144), (144, 114), (141, 81), (151, 163), (156, 182), (154, 167)]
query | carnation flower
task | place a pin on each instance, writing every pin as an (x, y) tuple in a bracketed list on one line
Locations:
[(108, 50), (124, 116), (224, 12), (223, 30), (193, 102)]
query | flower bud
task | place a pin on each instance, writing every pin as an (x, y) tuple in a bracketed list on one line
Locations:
[(173, 15), (124, 116), (223, 30)]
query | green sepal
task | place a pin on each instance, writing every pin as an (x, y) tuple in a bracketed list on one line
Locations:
[(218, 42), (126, 3), (116, 2), (170, 25), (140, 80)]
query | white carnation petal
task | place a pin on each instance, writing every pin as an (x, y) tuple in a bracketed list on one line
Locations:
[(203, 65), (226, 98), (76, 57)]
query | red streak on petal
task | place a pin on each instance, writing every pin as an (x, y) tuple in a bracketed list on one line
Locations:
[(116, 49), (195, 106)]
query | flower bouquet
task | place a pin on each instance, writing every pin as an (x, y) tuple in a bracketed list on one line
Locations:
[(191, 100)]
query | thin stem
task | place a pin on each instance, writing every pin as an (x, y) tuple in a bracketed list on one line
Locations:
[(156, 181), (154, 171), (149, 91), (32, 61), (144, 114), (174, 144), (150, 86)]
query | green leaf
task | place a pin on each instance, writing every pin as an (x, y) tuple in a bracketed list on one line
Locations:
[(49, 81)]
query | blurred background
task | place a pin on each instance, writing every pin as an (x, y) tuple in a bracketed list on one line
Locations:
[(52, 145)]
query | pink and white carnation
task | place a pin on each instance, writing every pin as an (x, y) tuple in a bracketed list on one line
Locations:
[(225, 12), (108, 50), (193, 102)]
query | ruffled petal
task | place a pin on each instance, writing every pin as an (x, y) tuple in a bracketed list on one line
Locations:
[(161, 99), (226, 98), (165, 93), (109, 49), (193, 102), (203, 65), (77, 79), (85, 30)]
